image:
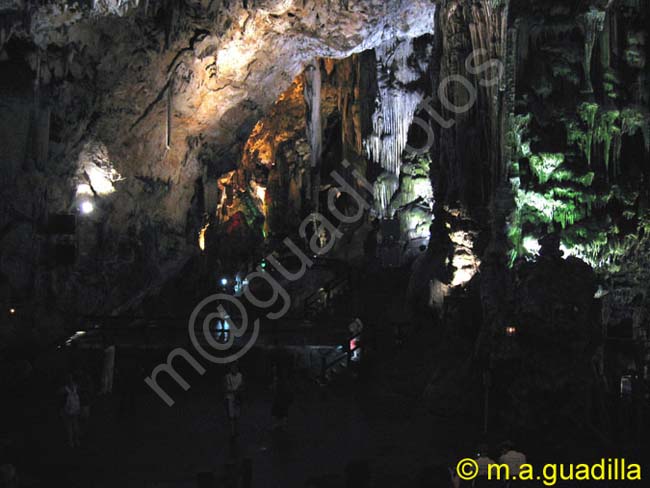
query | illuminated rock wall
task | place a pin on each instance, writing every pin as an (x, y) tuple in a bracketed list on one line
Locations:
[(581, 154), (167, 93)]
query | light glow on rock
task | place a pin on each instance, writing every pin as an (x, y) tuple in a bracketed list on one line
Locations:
[(101, 180), (84, 189), (415, 223), (234, 59), (260, 191), (462, 276), (465, 262), (202, 237), (96, 171), (531, 245)]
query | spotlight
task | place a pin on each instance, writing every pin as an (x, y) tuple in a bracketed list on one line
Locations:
[(511, 331), (224, 281), (87, 207), (12, 311)]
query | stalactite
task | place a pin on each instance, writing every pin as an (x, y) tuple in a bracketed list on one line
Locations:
[(523, 43), (510, 95), (605, 46), (312, 94), (168, 132), (584, 138), (349, 77), (115, 7), (344, 96), (170, 11), (617, 147), (502, 48), (42, 130), (384, 189), (606, 132), (356, 101), (361, 108), (37, 78), (591, 22), (646, 136), (39, 125), (489, 35), (395, 105)]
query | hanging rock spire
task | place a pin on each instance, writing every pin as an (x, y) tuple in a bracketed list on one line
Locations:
[(312, 93), (591, 23), (396, 103)]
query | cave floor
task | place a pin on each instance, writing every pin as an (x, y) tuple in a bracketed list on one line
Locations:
[(380, 417), (158, 446)]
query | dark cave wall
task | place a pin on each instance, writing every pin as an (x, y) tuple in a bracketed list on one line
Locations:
[(559, 146)]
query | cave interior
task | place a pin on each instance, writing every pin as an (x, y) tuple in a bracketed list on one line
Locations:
[(428, 218)]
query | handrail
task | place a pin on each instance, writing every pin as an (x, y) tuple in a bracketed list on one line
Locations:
[(326, 366), (136, 328), (330, 286), (150, 333)]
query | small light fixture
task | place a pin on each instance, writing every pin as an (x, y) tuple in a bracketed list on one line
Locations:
[(12, 311), (511, 331), (224, 281), (87, 207)]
